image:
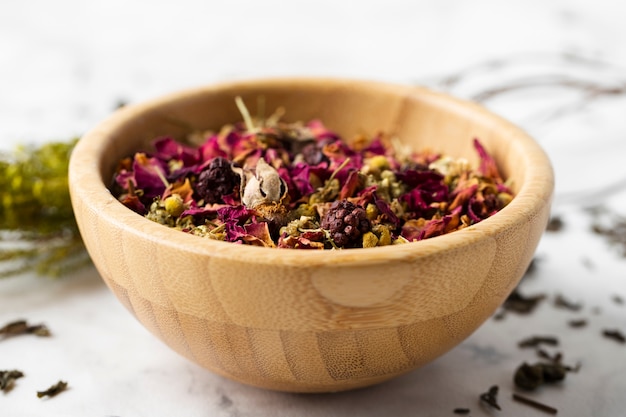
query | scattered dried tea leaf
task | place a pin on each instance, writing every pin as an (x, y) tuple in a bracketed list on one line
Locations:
[(615, 335), (7, 379), (491, 397), (577, 323), (518, 303), (555, 224), (461, 411), (53, 390), (20, 327), (532, 267), (609, 225), (618, 299), (562, 302), (556, 359), (535, 404), (535, 341), (530, 377), (545, 355)]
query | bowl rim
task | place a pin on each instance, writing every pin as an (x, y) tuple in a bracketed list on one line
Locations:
[(87, 185)]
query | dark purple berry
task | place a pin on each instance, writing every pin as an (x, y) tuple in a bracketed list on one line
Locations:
[(346, 222), (217, 180)]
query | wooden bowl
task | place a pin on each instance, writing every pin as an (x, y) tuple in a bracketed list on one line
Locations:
[(312, 321)]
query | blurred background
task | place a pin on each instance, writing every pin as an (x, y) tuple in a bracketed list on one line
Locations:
[(65, 65)]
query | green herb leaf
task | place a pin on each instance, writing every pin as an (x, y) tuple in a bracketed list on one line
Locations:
[(38, 232)]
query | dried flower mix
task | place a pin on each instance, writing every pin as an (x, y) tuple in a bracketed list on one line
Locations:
[(292, 185)]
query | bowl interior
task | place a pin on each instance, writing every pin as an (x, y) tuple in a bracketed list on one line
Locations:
[(418, 117)]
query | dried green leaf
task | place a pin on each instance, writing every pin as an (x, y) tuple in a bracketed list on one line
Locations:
[(20, 327), (53, 390), (7, 379)]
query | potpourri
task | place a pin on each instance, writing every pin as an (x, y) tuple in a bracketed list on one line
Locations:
[(268, 183)]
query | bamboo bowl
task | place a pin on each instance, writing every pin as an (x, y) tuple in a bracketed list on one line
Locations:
[(312, 321)]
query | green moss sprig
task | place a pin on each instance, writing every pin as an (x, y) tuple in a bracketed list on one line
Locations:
[(38, 232)]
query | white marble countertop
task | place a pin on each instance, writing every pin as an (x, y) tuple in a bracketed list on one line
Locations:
[(555, 68)]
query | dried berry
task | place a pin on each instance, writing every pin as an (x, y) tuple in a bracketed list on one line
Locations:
[(346, 222), (217, 180)]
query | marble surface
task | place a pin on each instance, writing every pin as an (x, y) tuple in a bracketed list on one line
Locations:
[(555, 68)]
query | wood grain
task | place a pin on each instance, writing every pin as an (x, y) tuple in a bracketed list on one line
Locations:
[(312, 321)]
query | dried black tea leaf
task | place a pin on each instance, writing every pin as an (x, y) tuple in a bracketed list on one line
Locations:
[(577, 323), (611, 226), (461, 411), (562, 302), (7, 379), (532, 267), (615, 335), (553, 372), (555, 224), (618, 300), (491, 397), (20, 327), (535, 404), (53, 390), (519, 303), (545, 355), (530, 377), (535, 341)]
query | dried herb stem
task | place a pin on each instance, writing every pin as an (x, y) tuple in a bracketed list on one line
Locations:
[(535, 404), (535, 341), (247, 119)]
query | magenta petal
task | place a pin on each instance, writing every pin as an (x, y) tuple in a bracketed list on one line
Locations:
[(168, 149), (488, 167), (149, 176)]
